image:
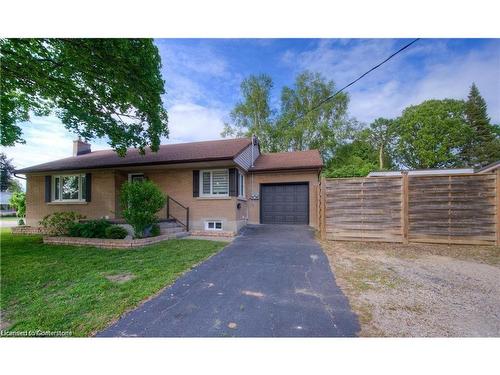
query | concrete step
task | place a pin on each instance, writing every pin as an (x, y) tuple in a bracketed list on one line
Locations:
[(170, 230), (169, 224)]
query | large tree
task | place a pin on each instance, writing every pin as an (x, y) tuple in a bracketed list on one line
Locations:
[(97, 87), (483, 146), (303, 125), (253, 114), (432, 134), (380, 133)]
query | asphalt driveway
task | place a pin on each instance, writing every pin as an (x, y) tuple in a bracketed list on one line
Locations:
[(272, 281)]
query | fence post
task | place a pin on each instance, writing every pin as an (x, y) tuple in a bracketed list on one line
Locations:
[(497, 200), (404, 211)]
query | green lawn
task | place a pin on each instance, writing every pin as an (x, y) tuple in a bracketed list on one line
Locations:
[(9, 218), (66, 288)]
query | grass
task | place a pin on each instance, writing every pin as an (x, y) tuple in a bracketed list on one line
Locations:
[(84, 289), (9, 218)]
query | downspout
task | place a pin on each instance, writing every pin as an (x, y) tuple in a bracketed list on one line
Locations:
[(253, 145)]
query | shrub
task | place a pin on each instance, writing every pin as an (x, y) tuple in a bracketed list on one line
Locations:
[(20, 222), (18, 201), (140, 202), (116, 232), (94, 228), (155, 230), (75, 230), (89, 229), (59, 223)]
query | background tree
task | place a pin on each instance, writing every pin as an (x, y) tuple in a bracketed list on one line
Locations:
[(6, 172), (253, 114), (97, 87), (15, 186), (483, 146), (354, 159), (323, 128), (380, 134), (432, 134)]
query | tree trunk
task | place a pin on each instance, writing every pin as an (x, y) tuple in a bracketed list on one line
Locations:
[(381, 157)]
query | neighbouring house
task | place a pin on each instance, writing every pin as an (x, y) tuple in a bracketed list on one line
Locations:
[(490, 168), (6, 208), (215, 186)]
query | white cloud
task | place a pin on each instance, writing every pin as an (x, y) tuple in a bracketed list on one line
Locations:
[(46, 139), (184, 66), (192, 122), (424, 71), (440, 80)]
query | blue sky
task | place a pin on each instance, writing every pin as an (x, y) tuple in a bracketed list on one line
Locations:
[(202, 78)]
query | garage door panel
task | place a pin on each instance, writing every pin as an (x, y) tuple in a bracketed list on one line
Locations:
[(285, 204)]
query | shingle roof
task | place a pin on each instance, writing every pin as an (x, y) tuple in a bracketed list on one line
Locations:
[(225, 149), (310, 159)]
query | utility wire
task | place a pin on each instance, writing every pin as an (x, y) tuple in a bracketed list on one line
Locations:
[(356, 80)]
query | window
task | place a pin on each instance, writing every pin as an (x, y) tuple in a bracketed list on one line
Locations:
[(213, 225), (214, 183), (136, 177), (69, 188), (241, 185)]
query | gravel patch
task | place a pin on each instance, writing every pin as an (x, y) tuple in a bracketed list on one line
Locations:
[(420, 291)]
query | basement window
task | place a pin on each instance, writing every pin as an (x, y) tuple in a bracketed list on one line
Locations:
[(213, 225)]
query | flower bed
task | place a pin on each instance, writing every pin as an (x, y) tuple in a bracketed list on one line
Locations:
[(111, 243)]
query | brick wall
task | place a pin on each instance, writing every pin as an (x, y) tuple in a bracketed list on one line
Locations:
[(102, 204), (26, 229), (178, 183)]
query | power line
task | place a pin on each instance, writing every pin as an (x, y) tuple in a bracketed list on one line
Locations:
[(356, 80)]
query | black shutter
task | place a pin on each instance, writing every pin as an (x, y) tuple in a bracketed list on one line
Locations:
[(48, 188), (232, 182), (196, 183), (237, 179), (88, 187)]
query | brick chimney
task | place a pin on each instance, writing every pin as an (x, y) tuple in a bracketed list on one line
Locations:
[(80, 147)]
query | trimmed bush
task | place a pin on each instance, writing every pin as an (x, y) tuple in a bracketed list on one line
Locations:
[(94, 228), (155, 230), (141, 201), (59, 223), (89, 229), (75, 230), (116, 232)]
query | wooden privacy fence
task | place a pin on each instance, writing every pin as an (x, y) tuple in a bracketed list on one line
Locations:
[(453, 209)]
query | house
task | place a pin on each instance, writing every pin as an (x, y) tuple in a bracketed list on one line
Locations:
[(490, 168), (213, 186)]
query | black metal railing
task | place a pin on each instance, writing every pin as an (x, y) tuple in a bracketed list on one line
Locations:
[(177, 211)]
